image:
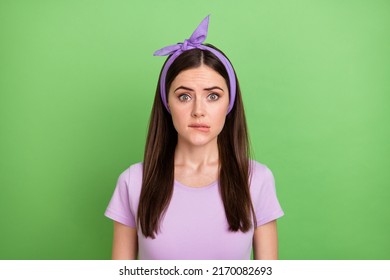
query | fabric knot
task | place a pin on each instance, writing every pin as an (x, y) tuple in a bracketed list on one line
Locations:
[(184, 45), (196, 39)]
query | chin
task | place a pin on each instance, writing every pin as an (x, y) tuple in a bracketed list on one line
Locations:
[(199, 141)]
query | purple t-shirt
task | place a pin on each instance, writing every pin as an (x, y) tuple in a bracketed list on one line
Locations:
[(194, 225)]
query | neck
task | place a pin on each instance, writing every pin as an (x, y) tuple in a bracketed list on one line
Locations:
[(196, 156)]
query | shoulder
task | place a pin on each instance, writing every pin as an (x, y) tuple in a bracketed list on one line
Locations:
[(131, 175), (259, 171), (134, 170), (261, 177)]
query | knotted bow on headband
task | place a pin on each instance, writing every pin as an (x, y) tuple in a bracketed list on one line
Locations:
[(195, 42)]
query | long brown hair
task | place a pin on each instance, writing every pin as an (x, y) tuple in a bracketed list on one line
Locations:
[(233, 148)]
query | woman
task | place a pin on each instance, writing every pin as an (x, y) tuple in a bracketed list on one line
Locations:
[(197, 195)]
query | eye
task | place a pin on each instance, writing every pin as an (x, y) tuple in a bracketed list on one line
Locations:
[(184, 97), (213, 96)]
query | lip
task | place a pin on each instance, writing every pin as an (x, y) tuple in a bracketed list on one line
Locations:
[(200, 127)]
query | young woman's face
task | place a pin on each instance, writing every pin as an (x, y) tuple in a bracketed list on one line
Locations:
[(198, 100)]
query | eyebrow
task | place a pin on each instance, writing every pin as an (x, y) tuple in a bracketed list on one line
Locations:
[(190, 89)]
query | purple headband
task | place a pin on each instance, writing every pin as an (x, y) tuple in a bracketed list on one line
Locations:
[(195, 42)]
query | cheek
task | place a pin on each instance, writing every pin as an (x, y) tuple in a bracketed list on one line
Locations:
[(219, 119), (177, 119)]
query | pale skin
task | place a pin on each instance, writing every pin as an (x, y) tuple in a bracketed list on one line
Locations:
[(197, 97)]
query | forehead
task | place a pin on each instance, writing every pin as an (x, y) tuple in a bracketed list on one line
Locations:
[(202, 76)]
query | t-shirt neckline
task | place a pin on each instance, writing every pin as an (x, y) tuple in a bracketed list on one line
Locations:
[(177, 183)]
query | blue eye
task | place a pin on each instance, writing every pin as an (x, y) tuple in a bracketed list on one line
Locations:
[(213, 96), (184, 97)]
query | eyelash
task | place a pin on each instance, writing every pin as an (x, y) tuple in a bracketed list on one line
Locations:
[(180, 97), (215, 94)]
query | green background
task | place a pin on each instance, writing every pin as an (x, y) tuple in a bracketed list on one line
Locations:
[(77, 80)]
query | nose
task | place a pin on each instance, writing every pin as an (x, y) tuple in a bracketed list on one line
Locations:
[(198, 108)]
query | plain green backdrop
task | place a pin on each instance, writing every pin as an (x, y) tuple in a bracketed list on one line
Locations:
[(77, 80)]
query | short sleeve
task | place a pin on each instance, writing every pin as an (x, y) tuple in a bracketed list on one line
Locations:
[(119, 208), (266, 203)]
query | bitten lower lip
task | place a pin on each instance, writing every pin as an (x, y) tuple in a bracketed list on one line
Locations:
[(203, 128)]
